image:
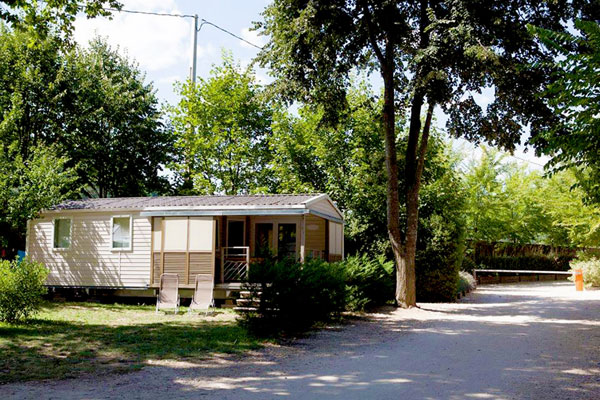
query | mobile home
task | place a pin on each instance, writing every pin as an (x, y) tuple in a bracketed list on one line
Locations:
[(127, 243)]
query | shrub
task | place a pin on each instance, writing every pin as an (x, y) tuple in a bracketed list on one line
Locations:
[(21, 289), (437, 276), (468, 265), (535, 263), (294, 296), (466, 282), (590, 266), (369, 281)]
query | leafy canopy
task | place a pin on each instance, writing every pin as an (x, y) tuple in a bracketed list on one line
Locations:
[(221, 128), (574, 96)]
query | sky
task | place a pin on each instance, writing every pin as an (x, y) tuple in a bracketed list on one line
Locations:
[(162, 46)]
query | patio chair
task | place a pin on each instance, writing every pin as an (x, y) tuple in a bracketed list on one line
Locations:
[(168, 293), (203, 293)]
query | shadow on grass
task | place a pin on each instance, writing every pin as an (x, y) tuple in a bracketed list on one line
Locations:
[(54, 349)]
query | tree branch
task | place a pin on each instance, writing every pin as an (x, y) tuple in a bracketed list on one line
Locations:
[(372, 39), (423, 144)]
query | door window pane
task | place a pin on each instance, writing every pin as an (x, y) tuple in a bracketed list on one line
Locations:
[(235, 233), (286, 241), (121, 233), (263, 240), (62, 233)]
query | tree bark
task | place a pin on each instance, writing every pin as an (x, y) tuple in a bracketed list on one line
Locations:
[(387, 67), (391, 163), (414, 171)]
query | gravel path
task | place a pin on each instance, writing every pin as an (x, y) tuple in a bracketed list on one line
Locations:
[(521, 341)]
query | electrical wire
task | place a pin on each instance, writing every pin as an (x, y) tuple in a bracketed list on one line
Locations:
[(202, 21)]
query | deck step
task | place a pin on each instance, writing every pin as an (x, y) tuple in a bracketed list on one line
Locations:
[(246, 294), (244, 309), (248, 302)]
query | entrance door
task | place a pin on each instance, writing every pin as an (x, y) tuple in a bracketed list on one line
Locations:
[(263, 239), (286, 240)]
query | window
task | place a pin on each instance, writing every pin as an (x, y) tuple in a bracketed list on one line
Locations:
[(263, 240), (235, 233), (121, 233), (286, 241), (62, 233)]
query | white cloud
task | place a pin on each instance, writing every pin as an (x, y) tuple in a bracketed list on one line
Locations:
[(155, 42), (252, 37)]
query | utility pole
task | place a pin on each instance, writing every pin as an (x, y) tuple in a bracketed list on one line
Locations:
[(195, 49)]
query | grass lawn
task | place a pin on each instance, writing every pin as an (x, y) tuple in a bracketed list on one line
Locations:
[(68, 339)]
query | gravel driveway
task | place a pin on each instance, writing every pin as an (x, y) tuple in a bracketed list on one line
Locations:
[(521, 341)]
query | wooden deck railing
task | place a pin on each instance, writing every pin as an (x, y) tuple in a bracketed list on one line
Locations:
[(235, 262)]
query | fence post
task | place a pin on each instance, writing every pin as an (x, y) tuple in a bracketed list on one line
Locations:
[(222, 264)]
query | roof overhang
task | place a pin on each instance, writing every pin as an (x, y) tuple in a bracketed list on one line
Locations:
[(240, 211)]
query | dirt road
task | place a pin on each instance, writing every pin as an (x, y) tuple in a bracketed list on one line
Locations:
[(522, 341)]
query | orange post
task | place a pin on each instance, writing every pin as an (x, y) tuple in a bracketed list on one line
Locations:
[(578, 280)]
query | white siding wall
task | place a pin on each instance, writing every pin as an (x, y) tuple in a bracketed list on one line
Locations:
[(90, 261), (336, 238), (325, 207)]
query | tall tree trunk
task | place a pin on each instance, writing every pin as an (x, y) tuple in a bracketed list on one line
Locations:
[(391, 163), (414, 171)]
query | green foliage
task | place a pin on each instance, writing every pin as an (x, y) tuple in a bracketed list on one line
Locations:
[(508, 203), (294, 296), (590, 265), (468, 265), (112, 129), (369, 281), (21, 289), (434, 52), (92, 104), (51, 16), (466, 282), (531, 263), (28, 186), (222, 127), (437, 278), (574, 97)]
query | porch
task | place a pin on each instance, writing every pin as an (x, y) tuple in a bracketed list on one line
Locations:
[(225, 247)]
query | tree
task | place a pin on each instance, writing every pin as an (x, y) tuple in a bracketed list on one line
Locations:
[(93, 104), (51, 16), (345, 160), (221, 127), (112, 126), (505, 202), (31, 90), (574, 95), (28, 185), (427, 52)]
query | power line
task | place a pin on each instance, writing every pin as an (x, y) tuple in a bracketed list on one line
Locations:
[(203, 22), (230, 33), (150, 13), (528, 161)]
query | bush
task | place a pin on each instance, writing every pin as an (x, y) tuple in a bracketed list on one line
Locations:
[(468, 265), (294, 296), (590, 266), (369, 281), (466, 282), (437, 276), (535, 263), (21, 289)]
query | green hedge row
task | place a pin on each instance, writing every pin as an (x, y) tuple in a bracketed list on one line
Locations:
[(535, 263)]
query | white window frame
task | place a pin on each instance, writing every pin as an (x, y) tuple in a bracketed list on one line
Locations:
[(54, 233), (112, 224)]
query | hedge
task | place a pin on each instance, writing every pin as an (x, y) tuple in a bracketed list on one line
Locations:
[(534, 263)]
